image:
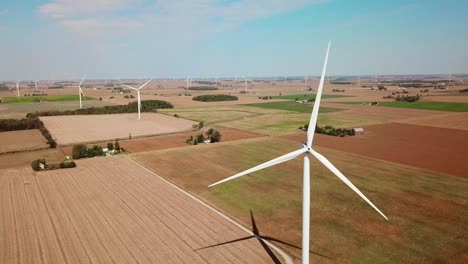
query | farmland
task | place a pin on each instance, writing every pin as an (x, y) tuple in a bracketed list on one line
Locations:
[(48, 98), (306, 96), (293, 106), (421, 205), (439, 106), (94, 128), (14, 141), (111, 210)]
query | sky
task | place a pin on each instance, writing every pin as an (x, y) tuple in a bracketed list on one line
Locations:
[(66, 39)]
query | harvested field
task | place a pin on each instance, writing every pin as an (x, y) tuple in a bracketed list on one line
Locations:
[(111, 210), (173, 141), (446, 120), (438, 149), (21, 159), (426, 209), (94, 128), (19, 110), (13, 141)]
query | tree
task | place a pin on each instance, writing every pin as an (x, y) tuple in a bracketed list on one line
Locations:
[(201, 124), (209, 133), (215, 137), (200, 138), (79, 151), (110, 146), (117, 145)]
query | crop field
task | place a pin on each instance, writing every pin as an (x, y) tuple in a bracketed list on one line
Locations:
[(48, 98), (111, 210), (19, 110), (405, 144), (426, 209), (293, 106), (173, 141), (425, 105), (94, 128), (24, 158), (13, 141)]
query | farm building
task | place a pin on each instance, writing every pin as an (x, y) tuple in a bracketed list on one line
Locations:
[(358, 131)]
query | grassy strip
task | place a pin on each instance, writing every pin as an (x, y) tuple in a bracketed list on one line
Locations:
[(48, 98)]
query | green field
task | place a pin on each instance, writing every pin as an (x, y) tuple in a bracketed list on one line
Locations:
[(48, 98), (426, 210), (293, 106), (262, 120), (439, 106), (307, 96)]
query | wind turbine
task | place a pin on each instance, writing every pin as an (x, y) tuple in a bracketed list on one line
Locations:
[(80, 91), (17, 88), (35, 86), (138, 94), (187, 83), (307, 150)]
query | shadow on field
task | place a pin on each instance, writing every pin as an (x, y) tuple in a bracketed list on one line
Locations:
[(260, 238)]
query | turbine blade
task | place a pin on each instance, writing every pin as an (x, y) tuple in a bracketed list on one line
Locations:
[(267, 164), (82, 80), (145, 84), (343, 178), (130, 87), (315, 110)]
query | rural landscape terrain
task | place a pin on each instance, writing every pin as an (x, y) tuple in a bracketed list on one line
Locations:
[(138, 188)]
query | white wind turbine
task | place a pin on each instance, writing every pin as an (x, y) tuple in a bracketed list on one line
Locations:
[(138, 94), (17, 88), (187, 83), (80, 91), (307, 150)]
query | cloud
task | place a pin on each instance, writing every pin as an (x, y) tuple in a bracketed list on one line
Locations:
[(104, 16)]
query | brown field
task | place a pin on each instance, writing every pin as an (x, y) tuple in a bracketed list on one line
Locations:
[(111, 210), (172, 141), (438, 149), (94, 128), (425, 208), (443, 120), (13, 141), (21, 159)]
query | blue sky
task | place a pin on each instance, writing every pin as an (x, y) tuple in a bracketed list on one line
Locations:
[(56, 39)]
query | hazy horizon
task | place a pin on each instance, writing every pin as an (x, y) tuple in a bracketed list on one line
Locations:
[(66, 39)]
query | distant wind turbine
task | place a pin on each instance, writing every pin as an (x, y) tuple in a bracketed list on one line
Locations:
[(187, 83), (35, 86), (138, 94), (17, 88), (307, 150), (80, 91)]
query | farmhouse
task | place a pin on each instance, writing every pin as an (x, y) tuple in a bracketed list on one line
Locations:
[(358, 131)]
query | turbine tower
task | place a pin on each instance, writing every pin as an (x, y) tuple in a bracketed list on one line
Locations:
[(307, 150), (138, 94), (187, 83), (35, 86), (17, 88), (80, 91)]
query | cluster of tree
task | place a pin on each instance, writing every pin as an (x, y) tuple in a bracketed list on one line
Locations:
[(338, 90), (212, 134), (243, 92), (265, 97), (382, 88), (56, 87), (202, 88), (341, 82), (82, 151), (185, 94), (205, 82), (146, 106), (30, 122), (407, 98), (424, 91), (131, 96), (215, 98), (464, 91), (329, 130), (41, 165)]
